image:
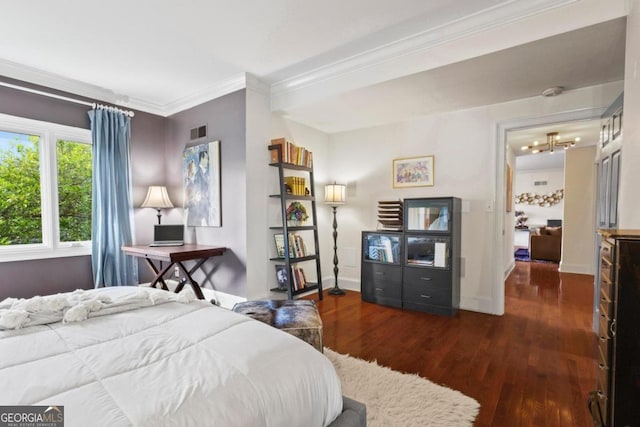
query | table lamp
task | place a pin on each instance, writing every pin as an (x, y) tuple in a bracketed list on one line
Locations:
[(157, 198)]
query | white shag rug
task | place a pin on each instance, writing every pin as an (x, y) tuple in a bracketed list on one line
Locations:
[(397, 399)]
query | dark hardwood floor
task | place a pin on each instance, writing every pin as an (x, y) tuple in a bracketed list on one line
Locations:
[(534, 366)]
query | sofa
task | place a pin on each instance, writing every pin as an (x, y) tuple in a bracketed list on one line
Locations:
[(546, 244)]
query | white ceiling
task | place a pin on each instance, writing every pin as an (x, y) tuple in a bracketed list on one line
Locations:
[(164, 56), (587, 130), (580, 58)]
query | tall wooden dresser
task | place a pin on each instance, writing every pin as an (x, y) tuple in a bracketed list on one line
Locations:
[(616, 400)]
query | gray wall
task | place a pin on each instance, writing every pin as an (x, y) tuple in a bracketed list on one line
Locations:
[(37, 277), (225, 118)]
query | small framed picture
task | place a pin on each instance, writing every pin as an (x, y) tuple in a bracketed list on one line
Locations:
[(413, 172), (281, 276)]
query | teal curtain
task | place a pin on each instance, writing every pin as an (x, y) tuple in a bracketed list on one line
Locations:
[(111, 199)]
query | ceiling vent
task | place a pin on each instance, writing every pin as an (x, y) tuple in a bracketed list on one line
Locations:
[(198, 132), (540, 183)]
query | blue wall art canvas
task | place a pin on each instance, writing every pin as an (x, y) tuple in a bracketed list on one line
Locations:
[(201, 165)]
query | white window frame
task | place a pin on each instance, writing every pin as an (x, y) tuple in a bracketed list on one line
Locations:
[(50, 134)]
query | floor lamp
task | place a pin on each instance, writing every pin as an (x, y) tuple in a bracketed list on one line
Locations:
[(335, 195), (157, 198)]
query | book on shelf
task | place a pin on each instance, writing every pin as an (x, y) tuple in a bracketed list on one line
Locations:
[(298, 278), (297, 247), (291, 153), (383, 252), (296, 184)]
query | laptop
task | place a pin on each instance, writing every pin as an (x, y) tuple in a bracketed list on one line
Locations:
[(168, 235)]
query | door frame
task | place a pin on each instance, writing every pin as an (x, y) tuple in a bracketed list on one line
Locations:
[(500, 186)]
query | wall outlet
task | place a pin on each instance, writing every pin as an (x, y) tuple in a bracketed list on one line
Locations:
[(177, 271)]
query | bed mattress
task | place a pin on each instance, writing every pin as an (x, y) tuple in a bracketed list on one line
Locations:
[(171, 363)]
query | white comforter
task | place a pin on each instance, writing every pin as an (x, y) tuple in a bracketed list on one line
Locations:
[(169, 364)]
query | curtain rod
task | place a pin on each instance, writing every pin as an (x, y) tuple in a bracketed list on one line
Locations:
[(64, 98)]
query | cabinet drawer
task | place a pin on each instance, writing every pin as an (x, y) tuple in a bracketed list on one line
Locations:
[(427, 287), (606, 305), (384, 274), (416, 276), (606, 271), (382, 284), (604, 338), (607, 289), (604, 346), (603, 375), (606, 251), (603, 400)]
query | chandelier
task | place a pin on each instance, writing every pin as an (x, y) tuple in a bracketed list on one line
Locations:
[(553, 143)]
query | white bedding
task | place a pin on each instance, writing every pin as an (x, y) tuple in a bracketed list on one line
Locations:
[(170, 364)]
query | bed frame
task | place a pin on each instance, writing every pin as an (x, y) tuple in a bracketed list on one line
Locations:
[(354, 414)]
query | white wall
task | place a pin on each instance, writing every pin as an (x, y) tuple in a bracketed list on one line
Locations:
[(578, 232), (464, 146), (524, 183), (629, 202), (257, 160)]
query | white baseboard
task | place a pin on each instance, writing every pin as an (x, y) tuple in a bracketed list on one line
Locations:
[(576, 268), (509, 269), (347, 284), (478, 304)]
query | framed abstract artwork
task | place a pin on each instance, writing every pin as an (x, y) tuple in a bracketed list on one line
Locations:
[(413, 172), (201, 179)]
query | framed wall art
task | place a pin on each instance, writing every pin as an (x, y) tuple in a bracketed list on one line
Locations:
[(201, 166), (413, 172), (509, 188)]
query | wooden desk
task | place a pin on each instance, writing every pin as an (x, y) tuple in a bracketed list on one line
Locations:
[(175, 255)]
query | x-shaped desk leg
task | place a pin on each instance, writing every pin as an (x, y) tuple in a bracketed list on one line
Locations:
[(194, 285), (159, 274)]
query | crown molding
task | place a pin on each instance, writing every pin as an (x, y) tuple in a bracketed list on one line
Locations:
[(55, 81), (487, 19), (220, 88)]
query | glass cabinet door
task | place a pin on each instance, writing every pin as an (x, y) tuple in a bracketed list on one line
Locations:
[(383, 248), (428, 251), (427, 215)]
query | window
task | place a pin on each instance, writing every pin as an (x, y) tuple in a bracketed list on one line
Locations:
[(45, 189)]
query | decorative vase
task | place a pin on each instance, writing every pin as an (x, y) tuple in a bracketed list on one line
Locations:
[(295, 223)]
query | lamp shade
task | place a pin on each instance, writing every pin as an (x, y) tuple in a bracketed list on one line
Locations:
[(157, 197), (335, 194)]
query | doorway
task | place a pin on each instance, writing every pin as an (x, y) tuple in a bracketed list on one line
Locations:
[(504, 223), (549, 161)]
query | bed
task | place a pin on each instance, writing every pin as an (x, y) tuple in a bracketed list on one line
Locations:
[(132, 356)]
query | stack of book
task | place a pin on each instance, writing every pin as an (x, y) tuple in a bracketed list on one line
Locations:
[(297, 247), (291, 153), (299, 279), (390, 215), (297, 185)]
